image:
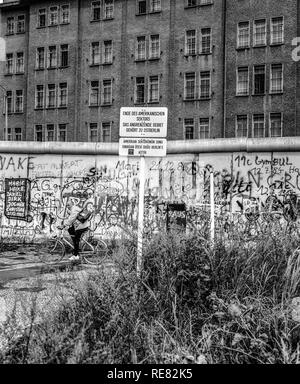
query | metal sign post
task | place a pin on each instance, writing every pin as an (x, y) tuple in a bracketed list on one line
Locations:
[(143, 132), (212, 209), (141, 216)]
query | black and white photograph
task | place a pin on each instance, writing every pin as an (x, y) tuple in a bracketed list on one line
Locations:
[(150, 185)]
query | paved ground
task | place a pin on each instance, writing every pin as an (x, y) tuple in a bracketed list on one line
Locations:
[(23, 261), (26, 282)]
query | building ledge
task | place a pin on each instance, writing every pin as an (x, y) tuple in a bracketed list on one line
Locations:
[(148, 13), (242, 48), (154, 58), (260, 46), (198, 99), (10, 4), (276, 44), (197, 5)]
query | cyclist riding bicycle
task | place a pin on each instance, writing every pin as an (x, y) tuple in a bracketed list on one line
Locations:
[(78, 222)]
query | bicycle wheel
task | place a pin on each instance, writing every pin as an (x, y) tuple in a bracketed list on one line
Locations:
[(95, 251), (53, 251)]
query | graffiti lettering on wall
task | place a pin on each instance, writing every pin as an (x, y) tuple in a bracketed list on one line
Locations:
[(17, 197), (35, 191), (16, 163)]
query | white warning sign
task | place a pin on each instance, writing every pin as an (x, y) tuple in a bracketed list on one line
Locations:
[(143, 122), (136, 146)]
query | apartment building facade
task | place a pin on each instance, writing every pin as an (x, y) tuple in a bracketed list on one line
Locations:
[(261, 76), (223, 68)]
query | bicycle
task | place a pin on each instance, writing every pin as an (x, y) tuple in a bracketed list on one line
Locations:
[(93, 251)]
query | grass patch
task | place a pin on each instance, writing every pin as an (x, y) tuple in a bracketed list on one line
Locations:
[(193, 303)]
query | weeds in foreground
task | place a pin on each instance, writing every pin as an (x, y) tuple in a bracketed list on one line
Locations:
[(192, 304)]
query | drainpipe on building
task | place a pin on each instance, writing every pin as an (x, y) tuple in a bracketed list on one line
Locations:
[(6, 117), (224, 66), (6, 113)]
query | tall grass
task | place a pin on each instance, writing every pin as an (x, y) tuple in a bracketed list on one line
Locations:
[(193, 303)]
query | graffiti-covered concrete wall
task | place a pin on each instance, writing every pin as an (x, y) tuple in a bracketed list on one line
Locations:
[(35, 189)]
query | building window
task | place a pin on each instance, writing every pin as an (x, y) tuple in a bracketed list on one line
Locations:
[(153, 89), (243, 37), (106, 132), (154, 47), (206, 41), (190, 86), (204, 128), (260, 32), (38, 133), (50, 132), (191, 3), (63, 95), (275, 124), (95, 53), (189, 129), (52, 57), (18, 134), (9, 64), (51, 96), (65, 14), (19, 101), (62, 132), (108, 9), (40, 58), (140, 90), (42, 18), (53, 15), (96, 10), (277, 30), (190, 42), (241, 126), (9, 101), (107, 52), (64, 55), (141, 7), (94, 93), (107, 92), (155, 5), (10, 26), (39, 97), (204, 85), (20, 62), (93, 132), (141, 48), (258, 126), (259, 77), (242, 83), (21, 24), (276, 78), (9, 134)]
